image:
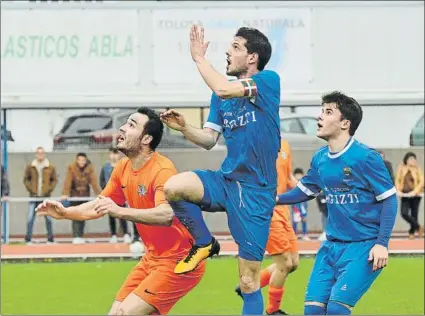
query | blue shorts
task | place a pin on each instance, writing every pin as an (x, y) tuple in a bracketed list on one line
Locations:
[(341, 273), (249, 211)]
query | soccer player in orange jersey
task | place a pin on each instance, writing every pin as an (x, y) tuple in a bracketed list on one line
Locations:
[(152, 287), (282, 241)]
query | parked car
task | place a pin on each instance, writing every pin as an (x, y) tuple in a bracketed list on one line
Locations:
[(300, 131), (100, 131), (417, 133)]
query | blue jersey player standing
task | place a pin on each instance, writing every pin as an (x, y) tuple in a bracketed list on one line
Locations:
[(246, 112), (362, 207)]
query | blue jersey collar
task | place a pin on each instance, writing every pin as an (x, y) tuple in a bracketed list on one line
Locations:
[(347, 146)]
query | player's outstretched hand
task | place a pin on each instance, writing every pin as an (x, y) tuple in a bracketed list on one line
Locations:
[(173, 119), (105, 205), (51, 208), (198, 47), (379, 255)]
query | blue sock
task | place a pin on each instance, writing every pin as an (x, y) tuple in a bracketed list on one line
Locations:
[(190, 215), (304, 227), (253, 303), (314, 310), (335, 308)]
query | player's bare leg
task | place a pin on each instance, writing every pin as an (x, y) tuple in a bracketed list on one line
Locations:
[(275, 275), (185, 191), (249, 283), (283, 265), (133, 305)]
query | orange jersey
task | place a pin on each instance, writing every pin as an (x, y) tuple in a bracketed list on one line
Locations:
[(284, 171), (144, 189)]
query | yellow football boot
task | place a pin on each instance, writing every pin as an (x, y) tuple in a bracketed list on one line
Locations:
[(196, 255)]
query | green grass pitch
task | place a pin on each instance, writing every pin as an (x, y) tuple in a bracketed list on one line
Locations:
[(89, 288)]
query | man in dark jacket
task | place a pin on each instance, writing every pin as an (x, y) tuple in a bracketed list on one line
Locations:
[(5, 188), (80, 177), (387, 164), (40, 180)]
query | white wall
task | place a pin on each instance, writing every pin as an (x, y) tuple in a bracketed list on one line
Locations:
[(139, 51), (120, 53)]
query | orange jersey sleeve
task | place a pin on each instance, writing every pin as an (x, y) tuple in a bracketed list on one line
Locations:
[(159, 182), (113, 188), (284, 167)]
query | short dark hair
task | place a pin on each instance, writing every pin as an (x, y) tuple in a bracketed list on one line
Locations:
[(153, 126), (407, 156), (298, 171), (82, 155), (350, 109), (114, 150), (256, 42)]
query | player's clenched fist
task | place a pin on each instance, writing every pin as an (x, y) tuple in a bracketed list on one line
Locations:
[(106, 206), (51, 208), (379, 255), (173, 119)]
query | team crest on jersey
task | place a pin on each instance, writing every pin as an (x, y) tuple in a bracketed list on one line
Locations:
[(347, 171), (142, 190)]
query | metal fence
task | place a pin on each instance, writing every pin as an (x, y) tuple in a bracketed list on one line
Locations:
[(66, 131)]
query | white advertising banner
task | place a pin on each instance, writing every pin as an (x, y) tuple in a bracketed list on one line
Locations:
[(69, 46), (288, 30)]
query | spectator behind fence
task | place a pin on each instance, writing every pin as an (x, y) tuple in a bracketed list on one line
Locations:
[(105, 174), (40, 180), (5, 188), (79, 177), (299, 210), (387, 164), (410, 184)]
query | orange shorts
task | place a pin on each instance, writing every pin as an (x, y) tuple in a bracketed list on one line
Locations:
[(155, 282), (282, 238)]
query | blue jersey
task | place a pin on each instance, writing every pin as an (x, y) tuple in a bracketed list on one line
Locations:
[(251, 129), (355, 182)]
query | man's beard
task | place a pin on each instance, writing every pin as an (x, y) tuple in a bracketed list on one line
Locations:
[(236, 72)]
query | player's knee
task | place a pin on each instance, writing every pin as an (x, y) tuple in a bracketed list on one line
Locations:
[(183, 186), (247, 283), (172, 190), (337, 308), (295, 259), (286, 264)]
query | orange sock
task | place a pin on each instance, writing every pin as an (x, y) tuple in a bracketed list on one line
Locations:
[(275, 297), (264, 278)]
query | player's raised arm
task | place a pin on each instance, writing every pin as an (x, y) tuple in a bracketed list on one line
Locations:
[(205, 138), (252, 81), (160, 215)]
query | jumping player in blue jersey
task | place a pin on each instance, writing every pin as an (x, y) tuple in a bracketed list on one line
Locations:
[(246, 112), (362, 207)]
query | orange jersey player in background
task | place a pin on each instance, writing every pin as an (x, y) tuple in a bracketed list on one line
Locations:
[(151, 287), (282, 242)]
